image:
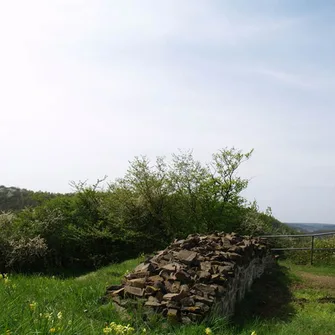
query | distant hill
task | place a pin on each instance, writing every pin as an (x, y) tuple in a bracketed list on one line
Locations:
[(312, 227), (15, 198)]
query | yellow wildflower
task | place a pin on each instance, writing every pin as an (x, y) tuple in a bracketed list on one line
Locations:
[(33, 305), (52, 330), (128, 330), (48, 316), (253, 333), (208, 331), (119, 329), (8, 332)]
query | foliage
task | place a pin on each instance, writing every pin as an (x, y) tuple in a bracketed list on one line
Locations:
[(18, 252), (15, 199), (325, 257), (24, 252), (154, 203)]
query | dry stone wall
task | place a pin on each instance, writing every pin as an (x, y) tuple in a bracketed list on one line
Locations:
[(193, 276)]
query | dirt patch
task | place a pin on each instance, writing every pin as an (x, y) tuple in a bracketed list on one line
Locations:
[(327, 300), (300, 301), (317, 281)]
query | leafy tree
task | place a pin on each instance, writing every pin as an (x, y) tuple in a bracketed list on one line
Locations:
[(187, 178), (145, 210)]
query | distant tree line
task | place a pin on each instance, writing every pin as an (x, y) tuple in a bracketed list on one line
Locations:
[(15, 199), (154, 203)]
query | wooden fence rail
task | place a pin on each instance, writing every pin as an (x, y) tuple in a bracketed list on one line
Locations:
[(311, 248)]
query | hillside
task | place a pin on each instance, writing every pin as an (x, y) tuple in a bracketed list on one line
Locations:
[(311, 227), (15, 198)]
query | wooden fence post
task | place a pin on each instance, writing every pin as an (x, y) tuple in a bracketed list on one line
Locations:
[(312, 250)]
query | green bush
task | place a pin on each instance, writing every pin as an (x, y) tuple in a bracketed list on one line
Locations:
[(26, 253), (144, 211), (324, 257), (19, 252)]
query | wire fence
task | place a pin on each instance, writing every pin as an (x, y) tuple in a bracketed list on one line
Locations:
[(311, 248)]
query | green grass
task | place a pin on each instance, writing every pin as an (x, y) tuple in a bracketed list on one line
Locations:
[(283, 302), (317, 269)]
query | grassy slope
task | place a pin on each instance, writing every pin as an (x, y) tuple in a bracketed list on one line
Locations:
[(282, 303)]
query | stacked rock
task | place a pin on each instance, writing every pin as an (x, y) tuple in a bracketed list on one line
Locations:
[(184, 281)]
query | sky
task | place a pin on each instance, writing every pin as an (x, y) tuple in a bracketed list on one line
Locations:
[(86, 85)]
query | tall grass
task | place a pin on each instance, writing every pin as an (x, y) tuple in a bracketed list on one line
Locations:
[(39, 304)]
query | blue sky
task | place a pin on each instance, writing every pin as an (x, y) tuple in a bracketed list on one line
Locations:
[(87, 85)]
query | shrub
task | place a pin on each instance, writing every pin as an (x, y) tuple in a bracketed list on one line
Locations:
[(26, 253), (16, 252), (140, 213), (324, 257)]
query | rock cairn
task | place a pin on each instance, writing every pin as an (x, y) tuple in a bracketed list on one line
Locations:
[(191, 276)]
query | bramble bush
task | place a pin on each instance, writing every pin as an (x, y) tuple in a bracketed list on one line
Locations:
[(18, 252)]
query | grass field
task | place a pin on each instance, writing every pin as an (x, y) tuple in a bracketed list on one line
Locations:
[(291, 300)]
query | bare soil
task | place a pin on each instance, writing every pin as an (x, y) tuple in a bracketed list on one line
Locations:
[(317, 281)]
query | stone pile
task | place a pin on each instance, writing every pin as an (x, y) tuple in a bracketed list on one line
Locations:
[(191, 276)]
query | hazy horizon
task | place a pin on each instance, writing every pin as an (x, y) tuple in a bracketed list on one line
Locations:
[(87, 85)]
